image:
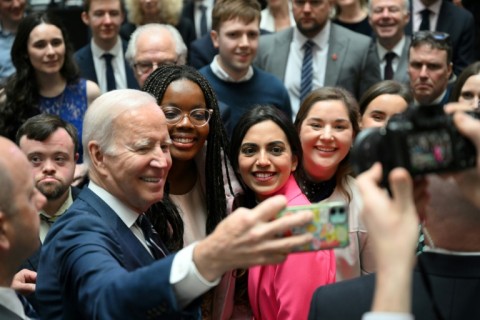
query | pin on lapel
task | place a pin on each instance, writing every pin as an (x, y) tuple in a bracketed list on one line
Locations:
[(334, 57)]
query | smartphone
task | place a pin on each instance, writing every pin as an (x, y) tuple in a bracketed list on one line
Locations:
[(329, 225)]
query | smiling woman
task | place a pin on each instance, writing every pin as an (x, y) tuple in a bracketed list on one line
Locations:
[(265, 150), (47, 79), (201, 183), (327, 122)]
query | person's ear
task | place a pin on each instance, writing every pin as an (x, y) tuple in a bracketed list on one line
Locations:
[(77, 155), (294, 163), (4, 231), (214, 36), (85, 18), (97, 157)]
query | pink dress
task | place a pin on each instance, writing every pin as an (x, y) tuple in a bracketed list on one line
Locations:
[(284, 291)]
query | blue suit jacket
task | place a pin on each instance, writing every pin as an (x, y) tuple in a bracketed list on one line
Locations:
[(460, 25), (84, 58), (93, 267)]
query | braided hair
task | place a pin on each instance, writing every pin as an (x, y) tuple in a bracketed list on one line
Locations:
[(217, 141)]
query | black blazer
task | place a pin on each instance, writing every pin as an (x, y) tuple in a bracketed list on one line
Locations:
[(84, 58), (455, 282), (460, 25)]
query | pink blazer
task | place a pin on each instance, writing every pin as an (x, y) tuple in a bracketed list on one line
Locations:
[(284, 291)]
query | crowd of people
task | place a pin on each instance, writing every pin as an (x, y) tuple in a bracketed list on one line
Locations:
[(142, 175)]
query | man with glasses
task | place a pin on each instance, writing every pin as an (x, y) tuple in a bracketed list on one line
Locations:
[(430, 67), (237, 83), (102, 60), (316, 53), (444, 16), (152, 45)]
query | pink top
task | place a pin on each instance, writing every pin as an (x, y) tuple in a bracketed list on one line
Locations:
[(284, 291)]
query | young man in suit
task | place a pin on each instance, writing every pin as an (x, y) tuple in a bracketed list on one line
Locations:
[(50, 145), (445, 282), (388, 19), (444, 16), (152, 45), (102, 60), (20, 202), (103, 260), (237, 83), (430, 67), (340, 57)]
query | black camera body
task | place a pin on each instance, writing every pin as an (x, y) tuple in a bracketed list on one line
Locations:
[(422, 140)]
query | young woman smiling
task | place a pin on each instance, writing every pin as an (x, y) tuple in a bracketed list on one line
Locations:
[(327, 123), (265, 150)]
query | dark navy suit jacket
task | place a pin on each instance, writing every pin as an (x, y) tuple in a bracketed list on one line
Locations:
[(455, 282), (84, 58), (93, 267), (460, 25)]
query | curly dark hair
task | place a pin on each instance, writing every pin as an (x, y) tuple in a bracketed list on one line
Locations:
[(217, 141), (21, 90)]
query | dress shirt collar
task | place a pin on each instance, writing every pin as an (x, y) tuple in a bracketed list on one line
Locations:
[(68, 202), (320, 39), (223, 75), (116, 51), (398, 49), (127, 215), (11, 302), (207, 3), (435, 8)]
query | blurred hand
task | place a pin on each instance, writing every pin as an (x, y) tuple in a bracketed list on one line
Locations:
[(80, 174), (24, 282), (249, 237)]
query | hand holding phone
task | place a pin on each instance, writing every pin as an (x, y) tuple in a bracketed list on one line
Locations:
[(329, 225)]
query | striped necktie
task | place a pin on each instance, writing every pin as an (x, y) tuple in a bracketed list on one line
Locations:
[(152, 238), (307, 70)]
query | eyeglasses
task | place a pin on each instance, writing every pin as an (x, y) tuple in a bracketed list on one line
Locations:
[(143, 67), (439, 37), (198, 117), (313, 3)]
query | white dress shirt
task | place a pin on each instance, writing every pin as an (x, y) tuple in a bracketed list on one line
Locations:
[(418, 6), (9, 300), (118, 64), (293, 72), (398, 49), (267, 21), (223, 75), (188, 284)]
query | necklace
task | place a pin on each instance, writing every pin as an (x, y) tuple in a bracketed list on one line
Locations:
[(429, 238), (316, 191)]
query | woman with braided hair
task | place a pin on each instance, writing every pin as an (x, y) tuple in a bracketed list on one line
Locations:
[(201, 182)]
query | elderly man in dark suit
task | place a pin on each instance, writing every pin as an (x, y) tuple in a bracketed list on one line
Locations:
[(103, 59), (103, 260), (446, 279), (339, 57), (20, 202), (444, 16)]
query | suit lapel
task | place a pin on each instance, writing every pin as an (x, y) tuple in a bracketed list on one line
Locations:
[(135, 253), (335, 57), (89, 71), (280, 54), (401, 74)]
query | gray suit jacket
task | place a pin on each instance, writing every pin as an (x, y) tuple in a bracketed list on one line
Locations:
[(401, 74), (350, 58)]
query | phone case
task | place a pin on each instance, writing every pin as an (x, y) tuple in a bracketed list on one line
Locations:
[(329, 225)]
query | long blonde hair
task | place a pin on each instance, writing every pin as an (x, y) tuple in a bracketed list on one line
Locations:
[(169, 11)]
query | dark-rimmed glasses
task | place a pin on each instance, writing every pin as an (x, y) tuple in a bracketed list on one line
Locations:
[(198, 117)]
